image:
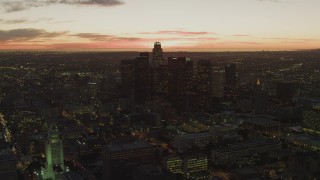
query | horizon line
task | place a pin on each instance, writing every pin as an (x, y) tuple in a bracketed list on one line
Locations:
[(148, 50)]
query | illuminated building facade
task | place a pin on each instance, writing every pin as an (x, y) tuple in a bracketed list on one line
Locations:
[(311, 118), (157, 55), (174, 164), (54, 153), (159, 71), (193, 165)]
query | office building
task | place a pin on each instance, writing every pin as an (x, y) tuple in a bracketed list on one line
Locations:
[(8, 166), (303, 165), (234, 152), (141, 78), (230, 75), (121, 157), (173, 164), (181, 82), (260, 99), (285, 91), (244, 174), (306, 141), (127, 77), (150, 172), (159, 79), (204, 83), (157, 55), (263, 125), (218, 83), (311, 118), (190, 166), (196, 166), (187, 141)]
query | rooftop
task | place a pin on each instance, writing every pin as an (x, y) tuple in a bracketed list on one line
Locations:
[(128, 145), (7, 157), (261, 121), (246, 145)]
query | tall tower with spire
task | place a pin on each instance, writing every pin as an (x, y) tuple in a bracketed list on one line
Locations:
[(54, 153), (158, 71), (157, 57), (258, 82)]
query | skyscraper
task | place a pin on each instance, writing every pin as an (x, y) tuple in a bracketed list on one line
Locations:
[(158, 80), (157, 57), (180, 83), (230, 75), (141, 78), (260, 99), (204, 83), (127, 72), (218, 82)]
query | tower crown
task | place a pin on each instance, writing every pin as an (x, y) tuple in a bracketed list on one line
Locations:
[(258, 82)]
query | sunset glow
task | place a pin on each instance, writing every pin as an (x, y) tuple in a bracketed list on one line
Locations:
[(193, 25)]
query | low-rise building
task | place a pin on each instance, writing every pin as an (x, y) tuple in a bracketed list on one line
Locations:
[(234, 152), (186, 141)]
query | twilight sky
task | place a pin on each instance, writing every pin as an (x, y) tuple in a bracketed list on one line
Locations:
[(193, 25)]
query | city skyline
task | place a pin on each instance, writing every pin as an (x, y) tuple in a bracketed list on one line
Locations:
[(206, 25)]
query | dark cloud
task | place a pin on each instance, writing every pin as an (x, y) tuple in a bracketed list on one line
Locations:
[(27, 34), (184, 33), (27, 21), (15, 21), (241, 35), (113, 38), (269, 0), (14, 5), (94, 36), (241, 42), (101, 2), (104, 37)]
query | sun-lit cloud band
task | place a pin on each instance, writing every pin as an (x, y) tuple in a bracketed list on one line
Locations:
[(204, 25)]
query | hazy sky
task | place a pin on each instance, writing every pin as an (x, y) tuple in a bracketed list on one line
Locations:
[(199, 25)]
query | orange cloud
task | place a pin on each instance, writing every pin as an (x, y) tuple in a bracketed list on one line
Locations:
[(183, 33)]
